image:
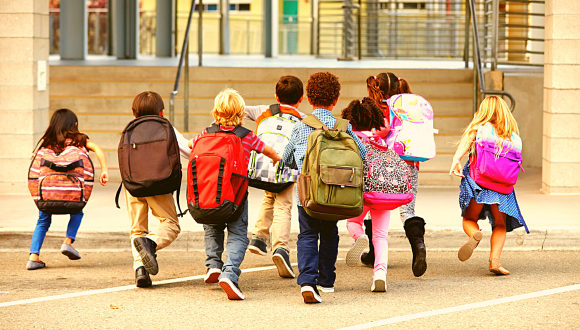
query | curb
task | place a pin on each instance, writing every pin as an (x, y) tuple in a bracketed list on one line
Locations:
[(189, 241)]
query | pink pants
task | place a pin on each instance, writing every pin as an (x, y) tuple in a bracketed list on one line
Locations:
[(380, 219)]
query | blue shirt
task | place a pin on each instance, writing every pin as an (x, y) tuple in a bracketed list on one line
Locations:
[(296, 148)]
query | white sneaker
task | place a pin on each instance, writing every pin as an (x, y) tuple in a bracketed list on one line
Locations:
[(212, 275), (379, 281), (353, 255), (310, 294), (326, 289)]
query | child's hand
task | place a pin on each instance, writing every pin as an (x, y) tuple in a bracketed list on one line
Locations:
[(276, 159), (190, 144), (456, 168), (104, 178)]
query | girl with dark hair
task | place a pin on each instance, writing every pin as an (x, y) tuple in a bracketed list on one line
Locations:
[(366, 117), (61, 133), (380, 88)]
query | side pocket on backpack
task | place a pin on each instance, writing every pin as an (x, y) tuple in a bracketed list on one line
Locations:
[(304, 189)]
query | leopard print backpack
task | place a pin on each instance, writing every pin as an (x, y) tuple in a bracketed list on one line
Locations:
[(387, 178)]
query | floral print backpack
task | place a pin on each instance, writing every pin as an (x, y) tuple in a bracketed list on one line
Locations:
[(387, 178)]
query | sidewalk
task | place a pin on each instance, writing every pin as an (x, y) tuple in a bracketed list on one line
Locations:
[(553, 220)]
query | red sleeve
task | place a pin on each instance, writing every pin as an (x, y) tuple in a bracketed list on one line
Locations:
[(200, 135), (254, 142)]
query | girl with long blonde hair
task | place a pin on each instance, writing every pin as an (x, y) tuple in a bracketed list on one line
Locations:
[(493, 122)]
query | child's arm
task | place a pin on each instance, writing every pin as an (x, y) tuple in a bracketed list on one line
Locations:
[(464, 146), (253, 112), (361, 147), (272, 154), (288, 156), (104, 178)]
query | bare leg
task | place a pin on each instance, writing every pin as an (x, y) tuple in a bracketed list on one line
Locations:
[(67, 241), (34, 257), (499, 232), (471, 217), (471, 228)]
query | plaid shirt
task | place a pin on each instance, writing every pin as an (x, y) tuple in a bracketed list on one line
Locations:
[(296, 149)]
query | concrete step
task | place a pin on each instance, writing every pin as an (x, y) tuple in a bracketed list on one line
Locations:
[(227, 74), (247, 89), (122, 105), (197, 122)]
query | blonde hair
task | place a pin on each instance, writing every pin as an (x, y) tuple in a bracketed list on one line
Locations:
[(229, 108), (495, 111)]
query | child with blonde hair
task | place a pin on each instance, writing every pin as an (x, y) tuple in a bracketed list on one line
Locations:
[(492, 123), (229, 113)]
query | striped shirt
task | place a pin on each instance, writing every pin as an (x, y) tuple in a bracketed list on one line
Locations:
[(249, 142), (296, 148)]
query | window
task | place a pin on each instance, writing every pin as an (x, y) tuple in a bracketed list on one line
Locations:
[(211, 8), (244, 7), (414, 5), (233, 7)]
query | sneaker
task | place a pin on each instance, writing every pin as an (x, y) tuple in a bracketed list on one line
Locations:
[(232, 289), (212, 275), (379, 281), (258, 246), (281, 259), (353, 255), (146, 249), (142, 278), (70, 252), (326, 289), (310, 294)]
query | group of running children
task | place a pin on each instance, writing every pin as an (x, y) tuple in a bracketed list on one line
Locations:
[(317, 245)]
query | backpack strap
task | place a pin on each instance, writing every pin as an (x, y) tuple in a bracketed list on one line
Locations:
[(241, 131), (313, 122), (341, 124), (181, 213), (214, 128), (275, 109), (117, 195)]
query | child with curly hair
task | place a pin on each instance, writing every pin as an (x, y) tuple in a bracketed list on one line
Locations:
[(316, 262)]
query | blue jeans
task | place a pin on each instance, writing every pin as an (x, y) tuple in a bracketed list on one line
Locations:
[(236, 246), (44, 220), (316, 266)]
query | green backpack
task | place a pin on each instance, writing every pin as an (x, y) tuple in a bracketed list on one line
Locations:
[(330, 186)]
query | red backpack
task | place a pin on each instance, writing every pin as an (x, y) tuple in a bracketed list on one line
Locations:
[(217, 185)]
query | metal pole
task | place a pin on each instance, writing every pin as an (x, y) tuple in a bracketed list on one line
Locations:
[(494, 33), (186, 91), (314, 27), (247, 35), (359, 30), (199, 32), (475, 66), (467, 29), (224, 32)]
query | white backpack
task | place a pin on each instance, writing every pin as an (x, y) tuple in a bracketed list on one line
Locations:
[(411, 122), (274, 128)]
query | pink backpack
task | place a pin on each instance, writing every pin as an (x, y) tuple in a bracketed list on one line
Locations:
[(387, 178), (61, 184), (494, 169)]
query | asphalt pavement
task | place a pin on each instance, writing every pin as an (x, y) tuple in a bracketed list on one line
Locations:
[(97, 292)]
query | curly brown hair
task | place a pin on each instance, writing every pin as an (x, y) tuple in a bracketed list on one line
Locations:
[(322, 89), (365, 115)]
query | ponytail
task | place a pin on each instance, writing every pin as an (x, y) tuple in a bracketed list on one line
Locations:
[(404, 87)]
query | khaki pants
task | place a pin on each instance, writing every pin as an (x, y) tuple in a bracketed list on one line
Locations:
[(276, 213), (163, 208)]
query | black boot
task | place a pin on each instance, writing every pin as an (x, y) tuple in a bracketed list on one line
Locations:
[(415, 230), (368, 258)]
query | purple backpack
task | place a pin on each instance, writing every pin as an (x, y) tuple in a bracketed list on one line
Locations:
[(387, 178), (495, 170)]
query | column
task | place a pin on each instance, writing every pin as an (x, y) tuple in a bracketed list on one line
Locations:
[(224, 7), (73, 32), (270, 28), (127, 15), (164, 36), (24, 47), (561, 159)]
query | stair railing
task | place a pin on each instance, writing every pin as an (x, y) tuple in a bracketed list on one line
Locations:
[(184, 57), (477, 65)]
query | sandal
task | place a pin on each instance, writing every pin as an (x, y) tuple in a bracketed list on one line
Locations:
[(496, 268), (466, 250)]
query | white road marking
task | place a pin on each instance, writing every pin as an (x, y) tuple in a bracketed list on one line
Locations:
[(480, 304), (119, 288)]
